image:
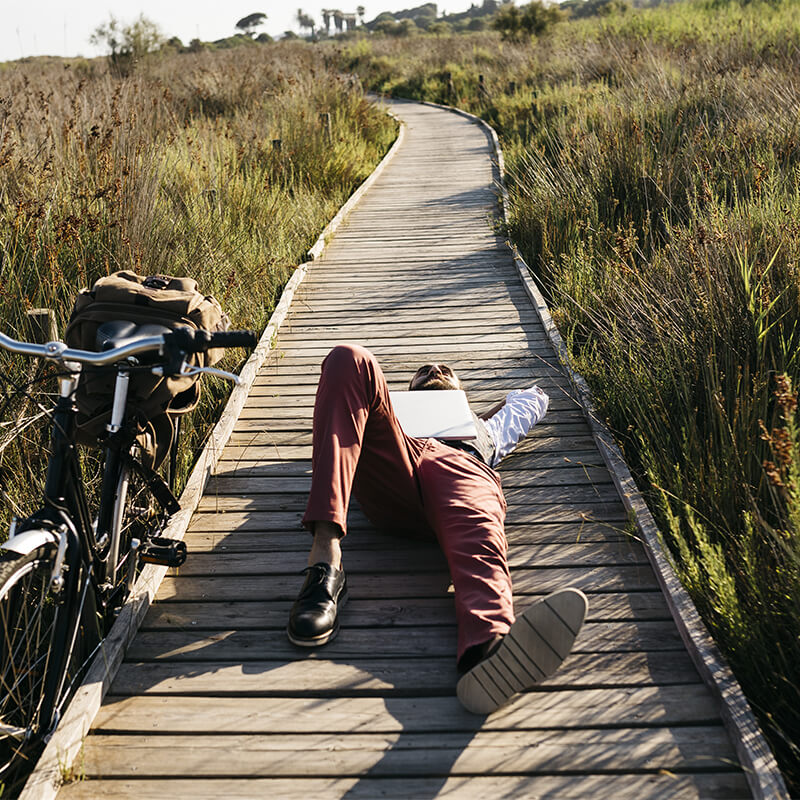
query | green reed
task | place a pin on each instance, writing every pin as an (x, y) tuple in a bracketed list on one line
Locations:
[(654, 176)]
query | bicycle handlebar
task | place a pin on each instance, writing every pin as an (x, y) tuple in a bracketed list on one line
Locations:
[(201, 341), (196, 341)]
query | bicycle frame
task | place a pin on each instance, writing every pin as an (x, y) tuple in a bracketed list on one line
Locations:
[(77, 556), (99, 538)]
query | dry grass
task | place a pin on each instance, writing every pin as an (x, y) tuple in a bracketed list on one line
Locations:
[(171, 170)]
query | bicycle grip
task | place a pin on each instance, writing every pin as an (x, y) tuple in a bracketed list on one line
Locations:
[(233, 339)]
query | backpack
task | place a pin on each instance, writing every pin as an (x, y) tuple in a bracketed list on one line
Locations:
[(153, 401)]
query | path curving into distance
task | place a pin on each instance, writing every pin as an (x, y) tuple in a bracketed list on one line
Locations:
[(212, 701)]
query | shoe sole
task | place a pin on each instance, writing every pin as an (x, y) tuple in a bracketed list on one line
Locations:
[(323, 638), (533, 649)]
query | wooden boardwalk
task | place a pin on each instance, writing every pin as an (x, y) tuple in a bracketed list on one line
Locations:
[(212, 701)]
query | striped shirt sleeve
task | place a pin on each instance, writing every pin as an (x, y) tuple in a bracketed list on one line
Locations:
[(522, 410)]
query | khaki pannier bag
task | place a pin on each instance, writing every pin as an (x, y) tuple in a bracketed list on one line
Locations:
[(157, 301)]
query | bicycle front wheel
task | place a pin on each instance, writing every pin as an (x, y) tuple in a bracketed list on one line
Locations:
[(31, 636)]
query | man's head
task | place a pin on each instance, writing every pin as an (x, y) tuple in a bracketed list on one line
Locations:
[(434, 376)]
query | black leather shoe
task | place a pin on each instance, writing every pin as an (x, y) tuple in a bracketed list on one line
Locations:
[(314, 618)]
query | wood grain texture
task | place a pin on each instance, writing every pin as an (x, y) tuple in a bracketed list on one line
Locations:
[(702, 786)]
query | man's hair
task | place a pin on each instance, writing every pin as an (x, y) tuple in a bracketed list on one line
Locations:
[(434, 382), (430, 384)]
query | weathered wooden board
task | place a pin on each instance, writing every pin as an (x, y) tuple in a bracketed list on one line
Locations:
[(398, 754), (519, 463), (577, 515), (257, 561), (699, 786), (210, 615), (384, 677), (244, 645), (651, 706)]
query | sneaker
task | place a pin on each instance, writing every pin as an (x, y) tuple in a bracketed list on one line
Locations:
[(314, 618), (533, 649)]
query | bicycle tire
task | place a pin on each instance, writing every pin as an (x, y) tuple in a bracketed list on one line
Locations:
[(137, 516), (31, 620)]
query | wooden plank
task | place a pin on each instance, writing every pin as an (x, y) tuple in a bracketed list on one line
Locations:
[(517, 515), (246, 645), (403, 754), (702, 786), (248, 614), (279, 371), (303, 395), (374, 676), (440, 341), (602, 497), (483, 316), (240, 483), (539, 534), (395, 553), (302, 414), (650, 706), (519, 464), (543, 438), (298, 430), (368, 585), (424, 351), (241, 561)]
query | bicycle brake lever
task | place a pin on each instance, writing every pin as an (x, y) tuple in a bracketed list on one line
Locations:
[(213, 371), (189, 372)]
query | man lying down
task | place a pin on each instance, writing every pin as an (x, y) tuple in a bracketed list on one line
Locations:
[(449, 489)]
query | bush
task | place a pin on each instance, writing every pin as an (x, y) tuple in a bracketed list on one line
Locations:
[(516, 24)]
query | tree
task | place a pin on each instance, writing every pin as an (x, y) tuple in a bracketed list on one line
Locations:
[(531, 20), (440, 28), (406, 27), (360, 10), (127, 44), (305, 21), (249, 23)]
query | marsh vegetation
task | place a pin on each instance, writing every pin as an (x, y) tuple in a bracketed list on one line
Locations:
[(224, 166), (654, 171)]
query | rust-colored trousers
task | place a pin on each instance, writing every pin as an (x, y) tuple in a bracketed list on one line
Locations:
[(404, 483)]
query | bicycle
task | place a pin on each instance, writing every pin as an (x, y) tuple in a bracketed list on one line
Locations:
[(64, 571)]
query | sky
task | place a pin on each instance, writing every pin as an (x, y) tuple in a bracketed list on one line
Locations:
[(62, 27)]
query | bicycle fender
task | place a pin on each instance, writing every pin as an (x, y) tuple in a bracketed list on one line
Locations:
[(27, 541)]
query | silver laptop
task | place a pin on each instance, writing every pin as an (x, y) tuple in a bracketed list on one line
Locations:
[(437, 413)]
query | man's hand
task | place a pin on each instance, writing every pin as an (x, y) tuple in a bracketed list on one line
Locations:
[(492, 411)]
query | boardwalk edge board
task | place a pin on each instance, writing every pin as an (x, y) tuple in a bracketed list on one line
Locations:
[(759, 764), (66, 742)]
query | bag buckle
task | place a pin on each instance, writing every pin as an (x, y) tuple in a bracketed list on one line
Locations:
[(155, 282)]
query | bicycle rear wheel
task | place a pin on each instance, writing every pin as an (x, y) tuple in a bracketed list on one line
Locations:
[(137, 516), (32, 657)]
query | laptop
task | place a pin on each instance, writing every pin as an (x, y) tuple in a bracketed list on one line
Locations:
[(436, 413)]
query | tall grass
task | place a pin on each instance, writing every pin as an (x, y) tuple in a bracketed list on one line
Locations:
[(654, 173), (172, 170)]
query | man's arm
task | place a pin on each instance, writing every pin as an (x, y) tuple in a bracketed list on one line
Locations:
[(509, 422), (492, 411)]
